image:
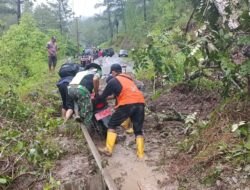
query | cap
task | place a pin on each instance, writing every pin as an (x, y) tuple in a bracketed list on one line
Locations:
[(93, 65), (116, 67)]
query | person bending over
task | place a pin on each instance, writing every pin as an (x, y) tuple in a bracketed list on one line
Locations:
[(130, 104)]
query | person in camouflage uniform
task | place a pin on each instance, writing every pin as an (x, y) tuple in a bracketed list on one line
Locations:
[(80, 89), (82, 102)]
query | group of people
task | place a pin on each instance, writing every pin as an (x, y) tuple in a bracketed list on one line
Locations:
[(76, 92), (75, 88)]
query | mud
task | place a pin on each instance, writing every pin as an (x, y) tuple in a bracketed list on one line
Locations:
[(129, 172), (77, 164), (185, 100)]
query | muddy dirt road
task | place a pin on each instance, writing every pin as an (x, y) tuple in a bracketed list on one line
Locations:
[(106, 62)]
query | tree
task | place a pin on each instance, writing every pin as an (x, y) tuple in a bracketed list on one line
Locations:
[(111, 6), (45, 17), (62, 13), (7, 14), (144, 10)]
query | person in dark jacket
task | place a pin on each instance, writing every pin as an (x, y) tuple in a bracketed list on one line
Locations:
[(67, 101)]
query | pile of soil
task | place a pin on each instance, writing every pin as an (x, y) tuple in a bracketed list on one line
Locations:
[(183, 99), (163, 142)]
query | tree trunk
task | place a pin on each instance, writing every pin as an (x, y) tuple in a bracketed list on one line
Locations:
[(144, 10), (248, 85), (110, 23), (124, 19), (77, 37), (18, 10), (60, 17), (188, 23)]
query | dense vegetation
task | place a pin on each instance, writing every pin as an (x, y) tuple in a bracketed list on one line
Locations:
[(203, 43)]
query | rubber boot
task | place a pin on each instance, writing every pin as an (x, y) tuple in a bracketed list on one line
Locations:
[(126, 125), (110, 142), (140, 146), (130, 130)]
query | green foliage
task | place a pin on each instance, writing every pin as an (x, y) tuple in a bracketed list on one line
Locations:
[(204, 49), (212, 176), (163, 54), (24, 136), (53, 184), (95, 33), (22, 52), (156, 95), (12, 108)]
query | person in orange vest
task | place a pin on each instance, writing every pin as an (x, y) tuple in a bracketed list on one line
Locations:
[(127, 123), (130, 104)]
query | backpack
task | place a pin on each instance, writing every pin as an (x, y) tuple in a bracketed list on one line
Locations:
[(68, 69)]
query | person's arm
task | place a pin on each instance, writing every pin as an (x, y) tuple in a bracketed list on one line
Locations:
[(50, 50), (110, 97), (96, 85), (113, 88), (108, 91)]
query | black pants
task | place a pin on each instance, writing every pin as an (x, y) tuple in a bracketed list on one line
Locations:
[(133, 111), (67, 101), (52, 61)]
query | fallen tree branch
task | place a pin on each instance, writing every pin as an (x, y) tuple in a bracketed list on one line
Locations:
[(169, 117), (173, 116), (189, 20)]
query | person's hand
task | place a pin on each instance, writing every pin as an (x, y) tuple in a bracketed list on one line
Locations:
[(110, 97), (92, 96), (97, 96)]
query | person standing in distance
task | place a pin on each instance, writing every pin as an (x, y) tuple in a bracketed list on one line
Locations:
[(52, 53)]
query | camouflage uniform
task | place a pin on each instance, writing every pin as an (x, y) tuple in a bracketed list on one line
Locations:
[(81, 96)]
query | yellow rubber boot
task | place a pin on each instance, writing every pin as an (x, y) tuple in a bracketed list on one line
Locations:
[(126, 123), (130, 130), (140, 146), (110, 142)]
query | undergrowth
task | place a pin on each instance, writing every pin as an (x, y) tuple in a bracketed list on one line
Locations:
[(27, 147), (220, 144)]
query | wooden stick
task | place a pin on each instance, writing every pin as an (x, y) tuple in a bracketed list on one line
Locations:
[(107, 178)]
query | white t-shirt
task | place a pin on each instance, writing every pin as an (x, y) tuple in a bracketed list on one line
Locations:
[(80, 75)]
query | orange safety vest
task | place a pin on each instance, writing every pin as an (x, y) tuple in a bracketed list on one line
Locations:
[(130, 94)]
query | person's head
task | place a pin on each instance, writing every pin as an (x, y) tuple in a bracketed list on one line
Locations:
[(115, 69), (53, 39)]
